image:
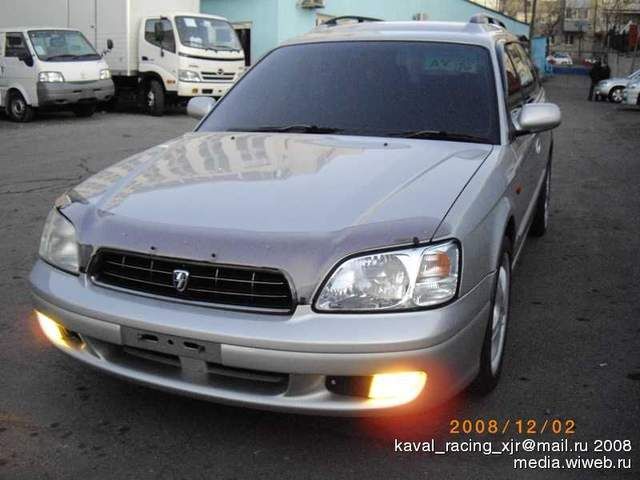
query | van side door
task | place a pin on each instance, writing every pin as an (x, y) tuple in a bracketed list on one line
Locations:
[(17, 71)]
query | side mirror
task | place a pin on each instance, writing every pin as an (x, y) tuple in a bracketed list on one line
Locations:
[(158, 32), (537, 117), (26, 58), (198, 107), (109, 44)]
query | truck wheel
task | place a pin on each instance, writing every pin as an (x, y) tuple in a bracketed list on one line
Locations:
[(541, 216), (615, 95), (18, 110), (154, 98), (84, 109), (492, 355)]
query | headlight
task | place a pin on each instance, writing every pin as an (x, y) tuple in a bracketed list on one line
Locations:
[(105, 74), (50, 77), (396, 280), (58, 245), (188, 76)]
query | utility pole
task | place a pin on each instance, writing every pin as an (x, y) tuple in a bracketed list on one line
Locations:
[(532, 24), (525, 11)]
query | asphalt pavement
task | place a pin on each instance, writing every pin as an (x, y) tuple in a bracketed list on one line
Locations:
[(573, 348)]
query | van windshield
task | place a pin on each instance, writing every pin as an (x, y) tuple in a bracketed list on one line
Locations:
[(207, 33), (424, 90), (62, 46)]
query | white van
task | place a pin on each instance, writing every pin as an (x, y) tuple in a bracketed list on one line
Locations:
[(50, 67)]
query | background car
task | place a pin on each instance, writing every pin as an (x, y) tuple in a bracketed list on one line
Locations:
[(560, 58), (612, 88)]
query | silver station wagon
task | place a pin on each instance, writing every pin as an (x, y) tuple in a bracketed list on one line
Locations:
[(336, 236)]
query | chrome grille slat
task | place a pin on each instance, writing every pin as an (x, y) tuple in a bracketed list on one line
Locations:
[(222, 279), (217, 292), (215, 284), (130, 279)]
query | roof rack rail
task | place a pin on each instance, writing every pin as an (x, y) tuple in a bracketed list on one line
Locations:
[(484, 18), (334, 21)]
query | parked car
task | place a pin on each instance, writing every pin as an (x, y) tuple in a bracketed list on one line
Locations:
[(613, 88), (631, 94), (343, 245), (50, 68), (560, 58)]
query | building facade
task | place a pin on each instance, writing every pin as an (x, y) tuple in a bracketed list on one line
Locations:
[(263, 24)]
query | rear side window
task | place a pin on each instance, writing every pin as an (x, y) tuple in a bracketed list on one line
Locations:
[(524, 67), (15, 45), (514, 87), (168, 42)]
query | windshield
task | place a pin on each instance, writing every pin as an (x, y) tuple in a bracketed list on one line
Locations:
[(61, 45), (412, 89), (207, 33)]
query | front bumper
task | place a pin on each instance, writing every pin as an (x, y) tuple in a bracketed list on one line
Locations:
[(304, 347), (602, 90), (65, 93), (195, 89), (631, 96)]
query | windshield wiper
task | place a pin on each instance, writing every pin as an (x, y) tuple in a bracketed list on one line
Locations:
[(297, 128), (189, 43), (441, 135)]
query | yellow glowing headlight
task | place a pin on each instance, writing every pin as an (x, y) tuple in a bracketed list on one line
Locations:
[(403, 386), (54, 331)]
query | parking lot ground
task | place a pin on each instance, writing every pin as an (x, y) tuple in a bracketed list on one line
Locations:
[(573, 349)]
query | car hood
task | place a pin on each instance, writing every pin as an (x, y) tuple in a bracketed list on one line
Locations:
[(616, 80), (291, 201)]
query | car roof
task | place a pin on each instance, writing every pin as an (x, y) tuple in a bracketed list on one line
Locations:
[(485, 34)]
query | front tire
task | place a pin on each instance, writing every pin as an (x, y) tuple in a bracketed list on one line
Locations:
[(492, 355), (540, 222), (155, 99), (18, 110), (615, 95)]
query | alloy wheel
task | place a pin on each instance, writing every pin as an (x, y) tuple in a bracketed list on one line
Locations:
[(500, 315)]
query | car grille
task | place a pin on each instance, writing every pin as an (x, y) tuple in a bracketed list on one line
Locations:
[(223, 285), (218, 77)]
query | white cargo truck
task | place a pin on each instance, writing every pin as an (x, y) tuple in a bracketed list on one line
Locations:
[(161, 51)]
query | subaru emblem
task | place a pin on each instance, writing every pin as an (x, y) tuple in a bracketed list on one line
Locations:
[(180, 280)]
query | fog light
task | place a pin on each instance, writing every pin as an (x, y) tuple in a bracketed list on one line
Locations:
[(55, 332), (403, 386)]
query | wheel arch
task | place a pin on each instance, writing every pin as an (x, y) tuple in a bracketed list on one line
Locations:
[(16, 87), (147, 77)]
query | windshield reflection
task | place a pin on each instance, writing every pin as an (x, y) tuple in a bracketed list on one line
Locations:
[(207, 33)]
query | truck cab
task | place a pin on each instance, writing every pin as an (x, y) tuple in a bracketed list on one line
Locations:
[(50, 67), (184, 55)]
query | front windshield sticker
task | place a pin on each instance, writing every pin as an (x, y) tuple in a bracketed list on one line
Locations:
[(190, 22)]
